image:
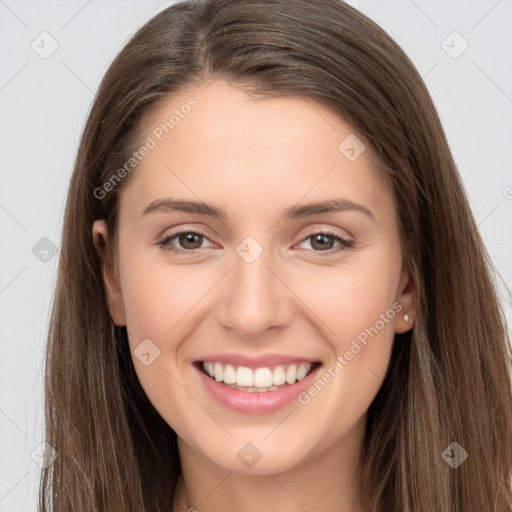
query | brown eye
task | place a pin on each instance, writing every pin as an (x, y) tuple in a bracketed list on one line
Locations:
[(184, 242), (322, 241), (328, 243), (190, 240)]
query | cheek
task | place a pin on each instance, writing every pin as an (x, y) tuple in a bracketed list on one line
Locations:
[(352, 298), (357, 308), (149, 313), (358, 305), (161, 305), (156, 297)]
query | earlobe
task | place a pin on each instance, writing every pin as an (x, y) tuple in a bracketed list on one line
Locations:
[(109, 272), (406, 297)]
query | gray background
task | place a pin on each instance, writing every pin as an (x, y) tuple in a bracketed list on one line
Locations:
[(43, 106)]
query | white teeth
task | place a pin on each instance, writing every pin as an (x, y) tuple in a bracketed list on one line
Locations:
[(251, 390), (262, 378), (291, 374), (219, 373), (278, 376), (229, 374), (259, 379), (303, 370), (244, 376)]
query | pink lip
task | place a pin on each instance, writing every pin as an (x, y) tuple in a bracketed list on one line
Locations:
[(255, 403), (261, 361)]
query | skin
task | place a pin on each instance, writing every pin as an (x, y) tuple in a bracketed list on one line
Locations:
[(254, 159)]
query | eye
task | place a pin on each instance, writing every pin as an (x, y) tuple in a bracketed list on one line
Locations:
[(323, 241), (190, 242)]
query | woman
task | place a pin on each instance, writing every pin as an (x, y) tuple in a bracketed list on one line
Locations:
[(331, 339)]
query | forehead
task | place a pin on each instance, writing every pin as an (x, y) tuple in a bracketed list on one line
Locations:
[(223, 112), (215, 140)]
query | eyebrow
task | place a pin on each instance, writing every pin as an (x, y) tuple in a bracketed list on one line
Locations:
[(294, 212)]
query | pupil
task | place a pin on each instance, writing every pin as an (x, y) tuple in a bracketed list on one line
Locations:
[(322, 239), (190, 238)]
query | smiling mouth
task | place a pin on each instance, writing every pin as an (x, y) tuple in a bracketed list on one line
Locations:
[(257, 380)]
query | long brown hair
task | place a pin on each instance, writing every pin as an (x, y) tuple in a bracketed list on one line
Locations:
[(449, 377)]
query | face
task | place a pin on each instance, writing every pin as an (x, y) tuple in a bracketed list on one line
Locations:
[(261, 326)]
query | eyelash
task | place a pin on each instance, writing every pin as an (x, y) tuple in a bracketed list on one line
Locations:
[(165, 242)]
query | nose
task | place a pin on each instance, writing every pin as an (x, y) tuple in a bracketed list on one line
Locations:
[(255, 297)]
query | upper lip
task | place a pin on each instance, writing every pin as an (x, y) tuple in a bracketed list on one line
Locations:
[(260, 361)]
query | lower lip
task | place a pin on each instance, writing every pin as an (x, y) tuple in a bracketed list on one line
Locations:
[(255, 402)]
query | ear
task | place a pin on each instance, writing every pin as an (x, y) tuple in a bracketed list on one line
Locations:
[(406, 297), (110, 273)]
